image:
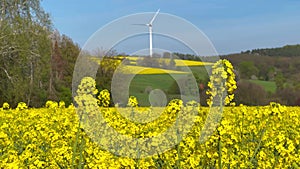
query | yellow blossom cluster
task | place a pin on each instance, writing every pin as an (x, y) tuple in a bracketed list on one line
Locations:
[(104, 98), (5, 105), (222, 83), (21, 106), (132, 102)]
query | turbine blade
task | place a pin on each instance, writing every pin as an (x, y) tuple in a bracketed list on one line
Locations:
[(140, 24), (150, 23)]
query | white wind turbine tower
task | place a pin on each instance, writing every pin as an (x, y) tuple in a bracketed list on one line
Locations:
[(150, 31)]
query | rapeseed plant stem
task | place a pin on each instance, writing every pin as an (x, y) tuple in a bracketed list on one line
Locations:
[(75, 146)]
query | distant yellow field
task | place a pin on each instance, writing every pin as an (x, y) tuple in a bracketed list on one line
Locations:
[(178, 62), (133, 69), (191, 63), (128, 69), (132, 58)]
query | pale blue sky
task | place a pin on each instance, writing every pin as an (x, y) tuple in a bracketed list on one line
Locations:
[(231, 25)]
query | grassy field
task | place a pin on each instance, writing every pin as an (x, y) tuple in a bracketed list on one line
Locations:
[(148, 78), (268, 85), (142, 84), (200, 71)]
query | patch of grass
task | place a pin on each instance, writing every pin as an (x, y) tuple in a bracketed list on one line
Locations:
[(143, 82), (199, 71), (269, 86)]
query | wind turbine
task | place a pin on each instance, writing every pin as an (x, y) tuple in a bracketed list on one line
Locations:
[(150, 24)]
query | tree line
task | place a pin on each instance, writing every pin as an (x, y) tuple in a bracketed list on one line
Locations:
[(36, 62), (285, 51)]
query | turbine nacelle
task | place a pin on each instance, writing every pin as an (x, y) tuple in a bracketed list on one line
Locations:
[(150, 24)]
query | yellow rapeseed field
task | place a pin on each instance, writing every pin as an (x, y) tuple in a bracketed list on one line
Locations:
[(178, 62), (190, 63), (247, 137), (128, 69), (134, 69)]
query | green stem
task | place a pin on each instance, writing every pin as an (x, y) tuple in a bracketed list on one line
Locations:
[(219, 139), (138, 156), (75, 146), (132, 113), (259, 143), (220, 150), (178, 141), (81, 152)]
